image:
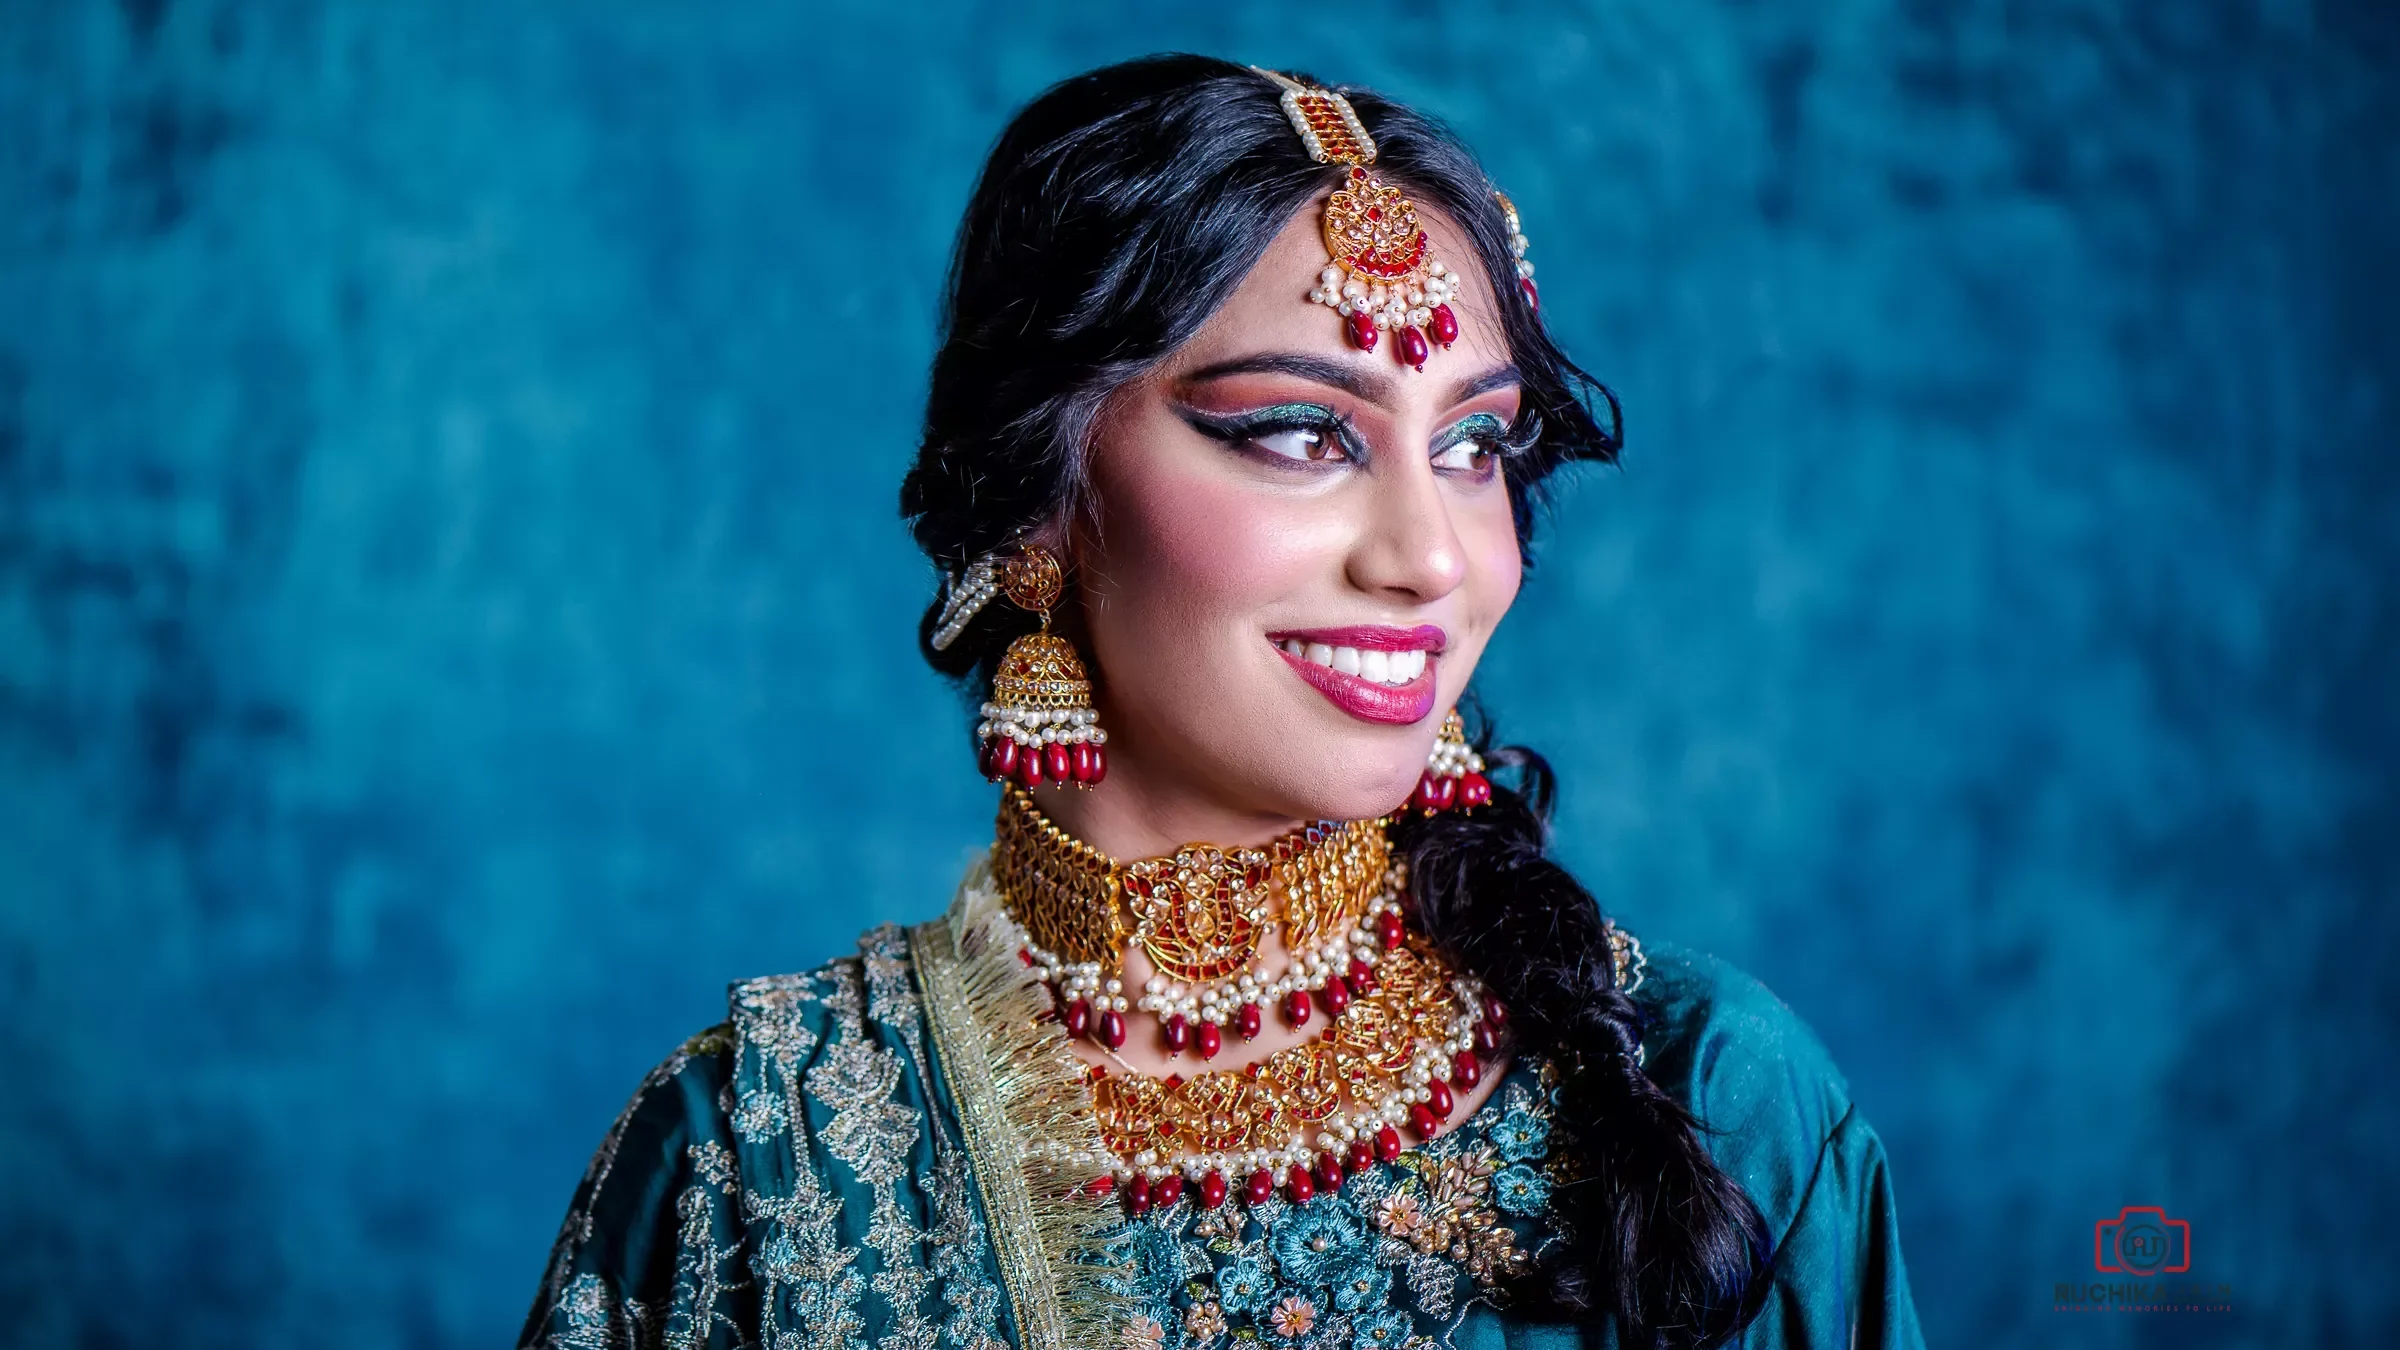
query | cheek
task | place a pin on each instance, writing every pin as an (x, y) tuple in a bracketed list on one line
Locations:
[(1495, 566), (1186, 559)]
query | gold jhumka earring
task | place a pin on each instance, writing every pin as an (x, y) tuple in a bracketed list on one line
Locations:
[(1040, 726), (1453, 772)]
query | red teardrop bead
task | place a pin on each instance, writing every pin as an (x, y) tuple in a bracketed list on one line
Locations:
[(1422, 1119), (1297, 1006), (1029, 766), (1336, 996), (1247, 1021), (1078, 1017), (1437, 1096), (1388, 929), (1099, 762), (1079, 760), (1298, 1185), (1361, 977), (1387, 1145), (1495, 1012), (1137, 1197), (1058, 764), (1167, 1190), (1411, 349), (1440, 793), (1464, 1071), (1362, 1155), (1329, 1173), (1485, 1039), (1443, 325), (1361, 330), (1211, 1040), (1004, 758), (1260, 1187), (1533, 294), (1212, 1190), (1474, 790), (1178, 1035), (1112, 1029)]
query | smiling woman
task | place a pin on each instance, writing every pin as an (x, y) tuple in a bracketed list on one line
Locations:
[(1269, 1017)]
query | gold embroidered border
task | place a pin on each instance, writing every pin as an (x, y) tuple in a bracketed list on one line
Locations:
[(1015, 1080)]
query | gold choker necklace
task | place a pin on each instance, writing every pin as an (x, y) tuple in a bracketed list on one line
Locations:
[(1200, 916), (1401, 1027)]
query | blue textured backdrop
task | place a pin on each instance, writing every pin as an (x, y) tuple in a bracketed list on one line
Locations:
[(453, 617)]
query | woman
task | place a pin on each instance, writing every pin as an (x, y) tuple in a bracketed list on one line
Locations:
[(1231, 476)]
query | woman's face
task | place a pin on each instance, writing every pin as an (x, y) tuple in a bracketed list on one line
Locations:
[(1297, 549)]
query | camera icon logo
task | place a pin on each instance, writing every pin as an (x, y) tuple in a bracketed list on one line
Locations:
[(2142, 1241)]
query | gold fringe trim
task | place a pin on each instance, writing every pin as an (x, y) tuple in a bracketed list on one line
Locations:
[(1016, 1081)]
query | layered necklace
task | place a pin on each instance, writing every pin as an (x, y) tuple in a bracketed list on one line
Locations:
[(1401, 1034)]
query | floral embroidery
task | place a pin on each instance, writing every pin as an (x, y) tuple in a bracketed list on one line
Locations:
[(1400, 1215), (758, 1117), (1320, 1245), (713, 1163), (1390, 1261), (762, 1237), (1366, 1285), (1243, 1285), (876, 1135), (1521, 1190), (869, 1131), (1520, 1135), (1460, 1219), (1390, 1327), (1293, 1317)]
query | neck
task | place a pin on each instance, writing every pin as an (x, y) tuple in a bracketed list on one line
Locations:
[(1145, 814)]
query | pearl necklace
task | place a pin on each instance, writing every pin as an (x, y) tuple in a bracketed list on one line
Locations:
[(1401, 1030)]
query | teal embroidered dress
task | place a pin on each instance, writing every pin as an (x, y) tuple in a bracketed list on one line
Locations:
[(842, 1165)]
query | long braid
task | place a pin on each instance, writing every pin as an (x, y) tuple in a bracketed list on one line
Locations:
[(1667, 1242)]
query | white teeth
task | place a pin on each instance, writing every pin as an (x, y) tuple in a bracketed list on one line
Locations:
[(1374, 665)]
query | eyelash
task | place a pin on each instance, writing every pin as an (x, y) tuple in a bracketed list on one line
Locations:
[(1494, 445), (1247, 430), (1337, 432)]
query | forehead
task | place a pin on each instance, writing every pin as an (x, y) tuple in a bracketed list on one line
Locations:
[(1270, 312)]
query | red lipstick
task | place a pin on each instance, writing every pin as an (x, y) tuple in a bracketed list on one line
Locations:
[(1364, 699)]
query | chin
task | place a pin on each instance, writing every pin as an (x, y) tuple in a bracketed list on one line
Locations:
[(1355, 787)]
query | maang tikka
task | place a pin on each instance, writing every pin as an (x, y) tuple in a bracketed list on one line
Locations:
[(1381, 275), (1039, 726)]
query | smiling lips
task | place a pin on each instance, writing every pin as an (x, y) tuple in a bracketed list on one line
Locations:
[(1375, 674)]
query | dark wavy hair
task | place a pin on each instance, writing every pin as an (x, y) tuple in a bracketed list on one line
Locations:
[(1117, 212)]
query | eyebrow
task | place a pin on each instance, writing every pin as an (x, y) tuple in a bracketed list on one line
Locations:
[(1346, 377)]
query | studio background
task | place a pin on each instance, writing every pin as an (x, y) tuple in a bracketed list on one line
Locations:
[(454, 616)]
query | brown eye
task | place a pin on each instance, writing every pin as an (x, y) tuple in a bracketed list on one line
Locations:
[(1300, 443), (1467, 456)]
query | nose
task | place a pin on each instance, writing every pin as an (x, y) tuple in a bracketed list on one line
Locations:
[(1409, 550)]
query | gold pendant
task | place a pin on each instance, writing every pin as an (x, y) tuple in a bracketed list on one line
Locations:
[(1200, 914)]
